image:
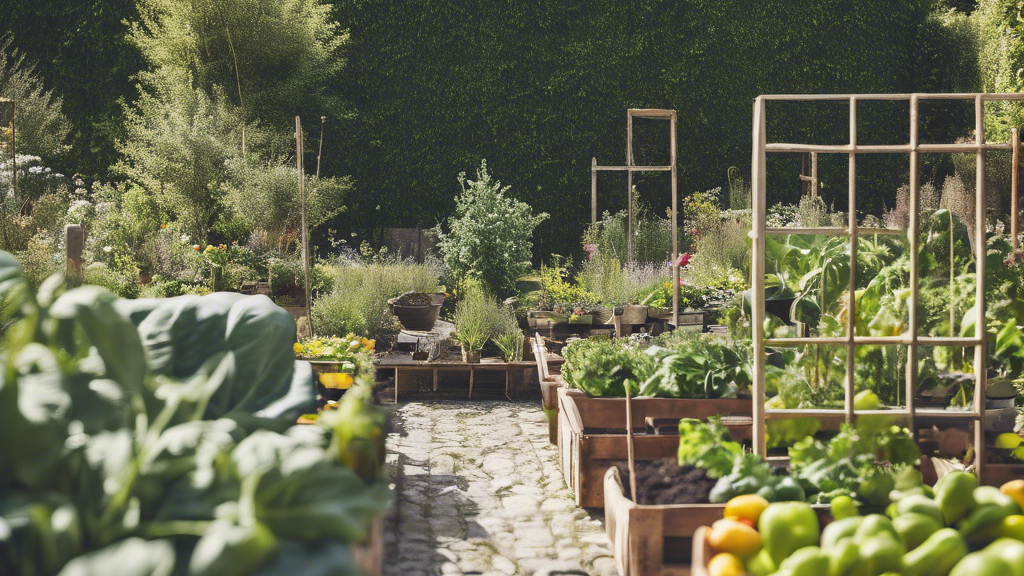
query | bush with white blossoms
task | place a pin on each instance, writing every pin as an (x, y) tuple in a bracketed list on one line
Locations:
[(490, 234)]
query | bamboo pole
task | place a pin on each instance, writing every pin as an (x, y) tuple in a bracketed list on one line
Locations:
[(299, 151)]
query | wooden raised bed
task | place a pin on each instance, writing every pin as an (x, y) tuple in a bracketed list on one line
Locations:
[(592, 434), (369, 555), (549, 383), (652, 540)]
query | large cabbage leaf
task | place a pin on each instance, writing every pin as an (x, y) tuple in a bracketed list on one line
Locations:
[(180, 334)]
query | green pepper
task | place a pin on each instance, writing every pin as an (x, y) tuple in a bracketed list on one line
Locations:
[(873, 525), (992, 495), (722, 492), (983, 523), (937, 555), (954, 494), (761, 564), (840, 530), (1010, 550), (879, 553), (786, 527), (807, 561), (918, 504), (915, 528), (842, 557), (982, 564)]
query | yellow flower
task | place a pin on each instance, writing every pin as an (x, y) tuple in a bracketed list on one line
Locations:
[(297, 348)]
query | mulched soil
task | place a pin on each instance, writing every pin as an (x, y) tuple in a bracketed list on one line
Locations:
[(666, 482)]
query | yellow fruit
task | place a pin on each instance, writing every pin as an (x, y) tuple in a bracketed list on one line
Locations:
[(1013, 527), (746, 507), (1008, 440), (1014, 489), (726, 564), (734, 537), (1018, 453)]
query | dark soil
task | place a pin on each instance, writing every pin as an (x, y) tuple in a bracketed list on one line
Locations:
[(666, 482), (414, 299)]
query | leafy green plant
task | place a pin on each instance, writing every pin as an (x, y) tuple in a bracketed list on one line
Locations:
[(700, 367), (652, 236), (706, 445), (603, 368), (489, 237), (474, 320), (118, 467), (558, 288)]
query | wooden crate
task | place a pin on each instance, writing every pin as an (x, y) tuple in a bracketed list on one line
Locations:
[(652, 540), (702, 552), (999, 474), (369, 555), (584, 455)]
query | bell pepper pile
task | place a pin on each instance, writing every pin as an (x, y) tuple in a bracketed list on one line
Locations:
[(958, 529)]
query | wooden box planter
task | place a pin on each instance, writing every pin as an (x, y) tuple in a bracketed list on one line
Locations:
[(652, 540), (999, 474), (592, 434)]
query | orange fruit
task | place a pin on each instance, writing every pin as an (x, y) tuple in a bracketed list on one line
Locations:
[(726, 564), (746, 507), (734, 537)]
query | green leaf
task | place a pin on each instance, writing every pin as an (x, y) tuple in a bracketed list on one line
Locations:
[(130, 557)]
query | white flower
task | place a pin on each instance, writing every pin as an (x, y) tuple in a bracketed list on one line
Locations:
[(107, 249), (185, 239)]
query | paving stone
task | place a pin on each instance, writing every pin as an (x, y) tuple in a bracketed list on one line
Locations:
[(479, 491)]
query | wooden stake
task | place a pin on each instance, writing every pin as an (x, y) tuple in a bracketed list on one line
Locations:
[(593, 190), (630, 442), (299, 151)]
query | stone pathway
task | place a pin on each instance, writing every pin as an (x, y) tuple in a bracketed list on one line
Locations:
[(479, 492)]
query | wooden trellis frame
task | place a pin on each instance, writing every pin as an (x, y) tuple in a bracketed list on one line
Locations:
[(912, 340), (630, 168)]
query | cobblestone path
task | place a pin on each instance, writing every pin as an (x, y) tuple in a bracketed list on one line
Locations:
[(479, 492)]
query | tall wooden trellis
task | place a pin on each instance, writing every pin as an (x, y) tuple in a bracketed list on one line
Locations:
[(912, 340), (630, 168)]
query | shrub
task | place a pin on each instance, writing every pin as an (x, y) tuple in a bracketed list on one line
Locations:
[(490, 235), (558, 287), (99, 274), (358, 300), (39, 260), (613, 283), (652, 236)]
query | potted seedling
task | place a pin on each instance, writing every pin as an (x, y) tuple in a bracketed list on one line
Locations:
[(473, 323), (417, 311)]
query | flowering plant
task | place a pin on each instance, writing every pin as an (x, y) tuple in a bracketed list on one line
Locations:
[(346, 350)]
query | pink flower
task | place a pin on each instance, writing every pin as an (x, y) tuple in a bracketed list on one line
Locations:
[(684, 259)]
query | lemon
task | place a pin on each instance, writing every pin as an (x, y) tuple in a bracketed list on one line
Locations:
[(1008, 440), (734, 537), (746, 507), (726, 564)]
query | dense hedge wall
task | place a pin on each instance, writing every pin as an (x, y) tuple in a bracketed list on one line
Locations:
[(539, 88)]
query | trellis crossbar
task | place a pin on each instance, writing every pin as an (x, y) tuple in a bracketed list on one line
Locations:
[(760, 231)]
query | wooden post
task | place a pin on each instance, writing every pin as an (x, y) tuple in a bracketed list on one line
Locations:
[(758, 180), (1014, 193), (299, 151), (629, 441), (629, 188), (914, 240), (851, 303), (980, 329), (675, 223), (14, 150), (74, 246), (593, 190)]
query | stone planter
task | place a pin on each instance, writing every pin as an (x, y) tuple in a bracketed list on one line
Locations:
[(418, 318), (633, 314)]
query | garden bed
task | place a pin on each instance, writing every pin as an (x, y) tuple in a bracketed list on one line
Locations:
[(549, 376), (369, 555), (592, 434), (652, 540)]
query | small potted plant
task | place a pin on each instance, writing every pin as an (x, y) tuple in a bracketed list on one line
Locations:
[(473, 323)]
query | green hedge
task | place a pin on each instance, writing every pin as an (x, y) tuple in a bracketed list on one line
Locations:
[(538, 88)]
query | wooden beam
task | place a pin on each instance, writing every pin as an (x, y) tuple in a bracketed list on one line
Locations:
[(1014, 192)]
